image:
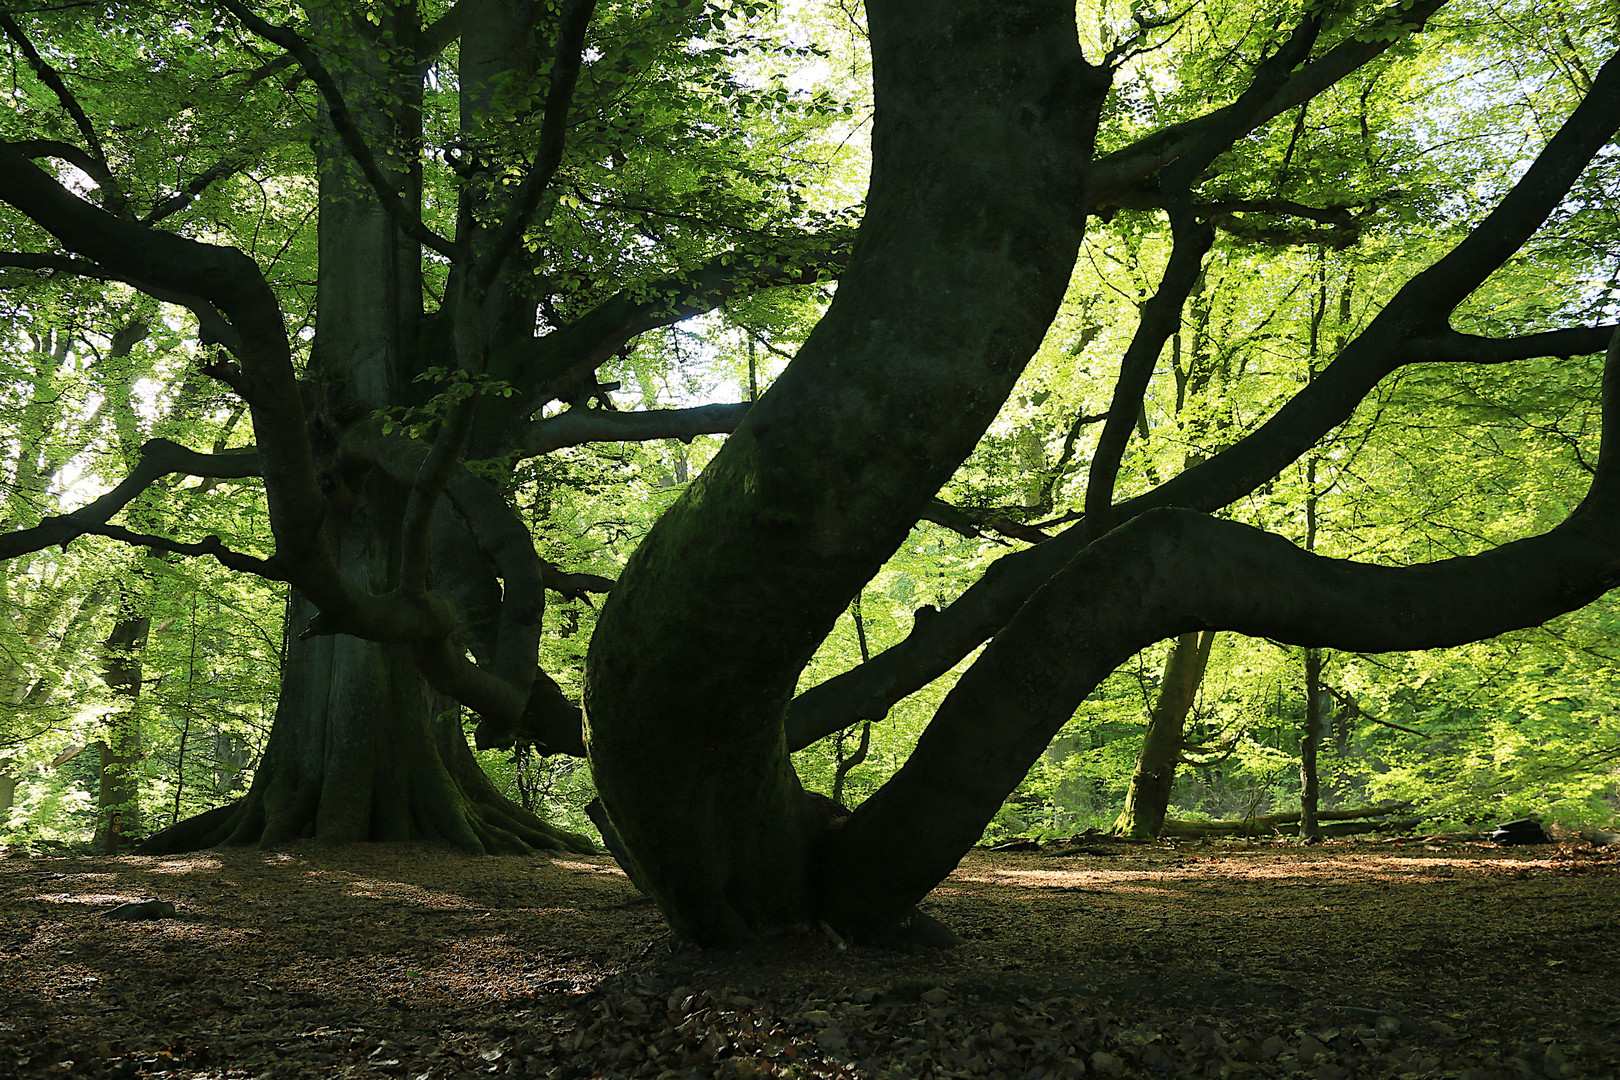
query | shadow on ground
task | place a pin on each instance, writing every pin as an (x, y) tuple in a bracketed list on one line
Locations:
[(1347, 960)]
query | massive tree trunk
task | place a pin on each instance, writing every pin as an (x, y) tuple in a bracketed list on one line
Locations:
[(1148, 798), (362, 748), (973, 223)]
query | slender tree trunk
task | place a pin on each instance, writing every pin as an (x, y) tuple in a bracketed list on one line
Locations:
[(118, 806), (1309, 786), (8, 791), (1148, 799), (1310, 742)]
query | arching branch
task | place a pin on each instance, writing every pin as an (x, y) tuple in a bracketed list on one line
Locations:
[(159, 458), (215, 329), (1411, 329), (1167, 572), (95, 162), (540, 367)]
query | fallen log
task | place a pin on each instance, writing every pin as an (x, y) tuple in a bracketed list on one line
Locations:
[(1272, 824), (1352, 828)]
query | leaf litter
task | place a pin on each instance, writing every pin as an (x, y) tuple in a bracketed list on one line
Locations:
[(1417, 958)]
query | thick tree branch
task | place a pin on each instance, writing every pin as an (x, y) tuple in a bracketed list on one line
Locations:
[(1411, 329), (83, 160), (215, 330), (573, 585), (1168, 572), (541, 366), (1120, 170), (940, 641), (586, 425), (1339, 226), (1342, 216), (437, 35), (1160, 318), (511, 695), (552, 723), (1454, 347), (1225, 127), (386, 190)]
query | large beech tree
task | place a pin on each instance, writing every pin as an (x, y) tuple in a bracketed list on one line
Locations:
[(995, 138)]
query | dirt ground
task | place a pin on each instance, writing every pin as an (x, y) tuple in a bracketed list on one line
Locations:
[(1411, 958)]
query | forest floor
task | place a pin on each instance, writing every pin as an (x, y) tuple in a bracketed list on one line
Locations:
[(1352, 959)]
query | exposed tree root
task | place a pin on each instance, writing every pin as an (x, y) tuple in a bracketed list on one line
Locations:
[(446, 798)]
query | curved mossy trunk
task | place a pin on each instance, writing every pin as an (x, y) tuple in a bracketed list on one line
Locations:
[(1148, 799), (972, 227)]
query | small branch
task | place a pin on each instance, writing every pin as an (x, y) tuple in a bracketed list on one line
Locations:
[(99, 171), (1129, 47), (1161, 317), (583, 425), (208, 546), (1342, 216), (159, 458), (198, 184), (573, 586), (971, 523), (1348, 705), (1124, 168)]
